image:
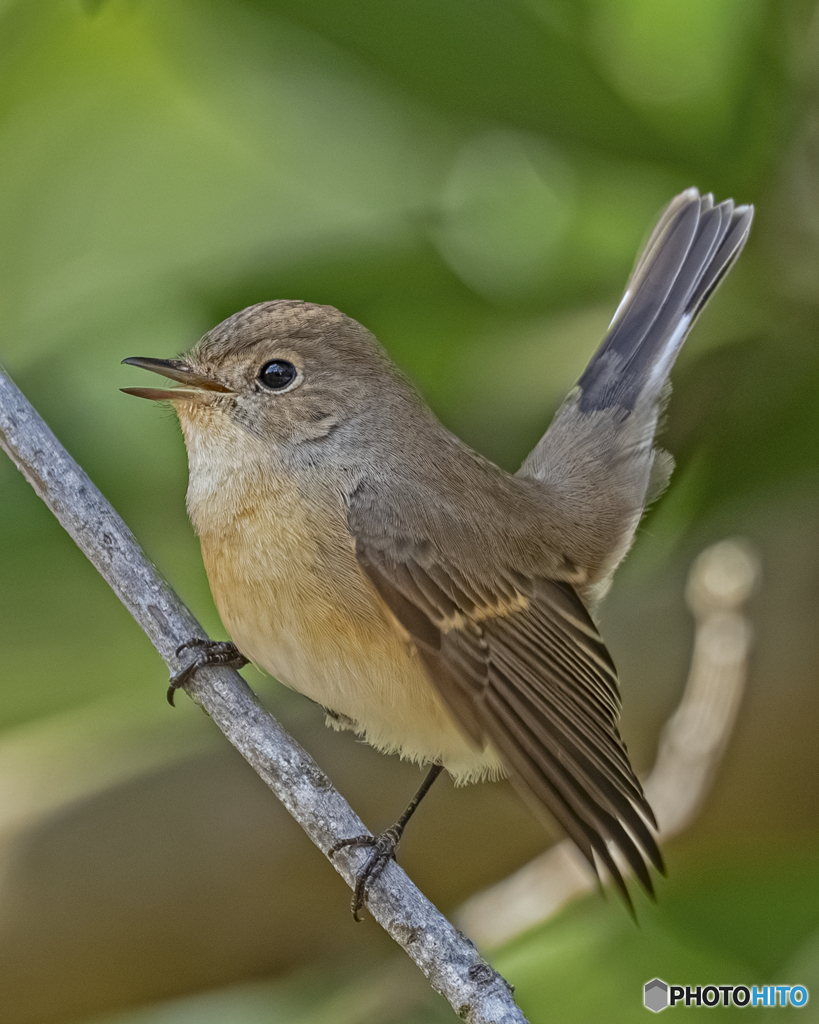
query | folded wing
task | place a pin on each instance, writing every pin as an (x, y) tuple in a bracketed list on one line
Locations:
[(523, 668)]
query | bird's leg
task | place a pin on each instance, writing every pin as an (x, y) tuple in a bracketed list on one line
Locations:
[(208, 652), (384, 845)]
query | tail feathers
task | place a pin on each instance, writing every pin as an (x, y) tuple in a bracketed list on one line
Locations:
[(597, 460), (689, 252)]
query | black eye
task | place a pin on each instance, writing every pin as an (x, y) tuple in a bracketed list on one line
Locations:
[(277, 374)]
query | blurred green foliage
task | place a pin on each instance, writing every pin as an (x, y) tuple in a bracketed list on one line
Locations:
[(472, 180)]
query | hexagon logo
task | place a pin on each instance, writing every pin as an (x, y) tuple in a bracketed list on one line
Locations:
[(655, 995)]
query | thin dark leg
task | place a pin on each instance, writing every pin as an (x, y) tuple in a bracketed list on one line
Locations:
[(423, 789), (383, 846)]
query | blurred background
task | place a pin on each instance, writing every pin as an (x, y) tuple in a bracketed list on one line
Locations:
[(472, 180)]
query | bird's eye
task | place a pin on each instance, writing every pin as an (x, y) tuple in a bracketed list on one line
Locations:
[(277, 374)]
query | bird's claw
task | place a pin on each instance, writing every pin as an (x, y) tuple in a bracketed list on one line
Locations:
[(208, 652), (383, 848)]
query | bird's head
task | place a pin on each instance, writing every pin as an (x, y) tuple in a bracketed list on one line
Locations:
[(285, 372)]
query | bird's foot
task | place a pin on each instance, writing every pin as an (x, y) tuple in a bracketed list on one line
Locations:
[(383, 848), (208, 652)]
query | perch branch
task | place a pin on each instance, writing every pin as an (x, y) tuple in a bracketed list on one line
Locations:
[(449, 961)]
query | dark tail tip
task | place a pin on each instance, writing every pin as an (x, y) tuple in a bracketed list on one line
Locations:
[(692, 248)]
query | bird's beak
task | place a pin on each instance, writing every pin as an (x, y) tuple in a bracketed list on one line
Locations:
[(175, 369)]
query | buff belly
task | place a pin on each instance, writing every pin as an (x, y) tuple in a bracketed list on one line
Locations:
[(316, 624)]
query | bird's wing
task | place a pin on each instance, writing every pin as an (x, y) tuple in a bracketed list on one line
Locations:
[(522, 666)]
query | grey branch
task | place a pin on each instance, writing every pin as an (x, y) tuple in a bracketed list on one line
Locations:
[(449, 961)]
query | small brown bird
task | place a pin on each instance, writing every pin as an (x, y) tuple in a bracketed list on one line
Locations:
[(431, 602)]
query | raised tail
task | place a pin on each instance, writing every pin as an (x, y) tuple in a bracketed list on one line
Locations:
[(691, 249), (597, 459)]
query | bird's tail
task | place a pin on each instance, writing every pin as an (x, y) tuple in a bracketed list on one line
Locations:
[(597, 459), (691, 249)]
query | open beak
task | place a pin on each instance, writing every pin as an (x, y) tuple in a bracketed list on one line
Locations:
[(174, 369)]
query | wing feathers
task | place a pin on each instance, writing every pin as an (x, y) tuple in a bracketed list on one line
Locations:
[(598, 754), (400, 597), (560, 736), (597, 743), (566, 781), (524, 668), (569, 665), (541, 780)]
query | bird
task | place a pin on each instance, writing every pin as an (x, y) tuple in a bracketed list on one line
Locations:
[(436, 605)]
